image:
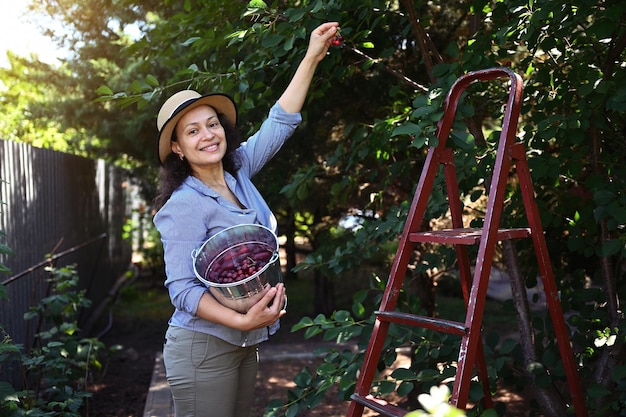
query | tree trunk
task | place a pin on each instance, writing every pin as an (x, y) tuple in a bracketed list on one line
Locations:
[(548, 398), (424, 287), (324, 296), (611, 355), (290, 247)]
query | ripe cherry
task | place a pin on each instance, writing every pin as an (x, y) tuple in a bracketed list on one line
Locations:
[(338, 40), (241, 264)]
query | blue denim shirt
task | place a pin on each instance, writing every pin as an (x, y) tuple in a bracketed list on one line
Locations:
[(195, 212)]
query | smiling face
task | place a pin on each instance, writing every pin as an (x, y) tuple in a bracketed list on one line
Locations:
[(200, 138)]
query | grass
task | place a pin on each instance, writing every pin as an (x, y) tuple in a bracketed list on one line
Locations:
[(145, 299)]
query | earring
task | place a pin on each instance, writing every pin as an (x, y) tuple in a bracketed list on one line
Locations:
[(181, 156)]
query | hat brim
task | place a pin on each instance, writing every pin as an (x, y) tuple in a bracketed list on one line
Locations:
[(221, 103)]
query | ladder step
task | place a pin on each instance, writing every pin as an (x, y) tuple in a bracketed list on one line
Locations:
[(381, 407), (466, 236), (441, 325)]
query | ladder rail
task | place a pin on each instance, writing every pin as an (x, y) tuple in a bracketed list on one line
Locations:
[(475, 302), (549, 283), (463, 263), (432, 323)]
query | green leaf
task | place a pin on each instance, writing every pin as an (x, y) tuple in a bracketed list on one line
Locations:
[(326, 369), (320, 319), (603, 197), (619, 373), (360, 296), (303, 378), (304, 322), (191, 40), (597, 391), (302, 193), (403, 373), (358, 309), (257, 4), (136, 87), (407, 129), (405, 388), (317, 398), (423, 111), (488, 413), (288, 46), (311, 332), (463, 140), (585, 89), (319, 5), (332, 334), (152, 80), (342, 316), (292, 411), (5, 250), (272, 40), (296, 14), (240, 34), (4, 294), (104, 90), (386, 387), (7, 392), (611, 247), (6, 348), (441, 70)]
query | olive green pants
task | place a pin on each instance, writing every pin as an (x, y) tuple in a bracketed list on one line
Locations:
[(208, 376)]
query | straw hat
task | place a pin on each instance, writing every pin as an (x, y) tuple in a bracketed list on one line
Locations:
[(176, 106)]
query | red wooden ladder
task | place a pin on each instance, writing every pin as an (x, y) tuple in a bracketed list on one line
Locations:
[(509, 153)]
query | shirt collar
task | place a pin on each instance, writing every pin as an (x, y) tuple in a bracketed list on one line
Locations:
[(197, 185)]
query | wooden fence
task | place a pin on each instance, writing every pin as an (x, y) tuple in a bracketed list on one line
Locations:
[(63, 209)]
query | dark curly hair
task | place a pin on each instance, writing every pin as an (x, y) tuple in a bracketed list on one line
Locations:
[(173, 171)]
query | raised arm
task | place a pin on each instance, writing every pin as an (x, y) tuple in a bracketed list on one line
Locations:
[(294, 95)]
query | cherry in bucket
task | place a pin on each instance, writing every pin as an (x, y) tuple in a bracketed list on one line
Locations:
[(239, 263)]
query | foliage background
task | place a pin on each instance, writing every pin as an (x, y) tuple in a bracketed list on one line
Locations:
[(370, 116)]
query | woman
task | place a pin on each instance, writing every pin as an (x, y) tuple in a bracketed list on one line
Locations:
[(210, 353)]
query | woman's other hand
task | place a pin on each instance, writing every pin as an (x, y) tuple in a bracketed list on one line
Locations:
[(268, 309)]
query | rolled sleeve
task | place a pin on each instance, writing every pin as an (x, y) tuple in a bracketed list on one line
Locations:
[(184, 289), (261, 147)]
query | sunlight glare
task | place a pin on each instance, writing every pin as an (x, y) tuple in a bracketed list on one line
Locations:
[(21, 35)]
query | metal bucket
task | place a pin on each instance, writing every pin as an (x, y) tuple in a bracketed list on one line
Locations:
[(222, 257)]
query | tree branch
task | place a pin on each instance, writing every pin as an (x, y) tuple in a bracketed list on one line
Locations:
[(422, 40), (391, 71)]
